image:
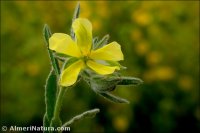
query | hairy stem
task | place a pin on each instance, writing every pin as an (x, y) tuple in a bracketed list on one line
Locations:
[(59, 102)]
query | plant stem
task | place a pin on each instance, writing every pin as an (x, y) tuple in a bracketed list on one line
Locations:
[(59, 102), (56, 122)]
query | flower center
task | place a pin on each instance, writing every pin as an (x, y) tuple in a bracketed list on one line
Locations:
[(85, 58)]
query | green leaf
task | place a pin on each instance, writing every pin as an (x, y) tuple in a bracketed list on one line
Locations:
[(101, 43), (113, 98), (76, 15), (87, 114), (130, 81), (54, 61), (50, 94), (46, 122)]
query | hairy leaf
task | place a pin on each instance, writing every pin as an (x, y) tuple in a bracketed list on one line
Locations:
[(86, 114), (50, 94), (76, 15), (54, 61), (46, 122)]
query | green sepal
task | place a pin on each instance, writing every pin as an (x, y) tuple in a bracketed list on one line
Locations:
[(50, 94), (130, 81), (47, 34), (113, 98), (101, 43), (104, 83), (75, 16)]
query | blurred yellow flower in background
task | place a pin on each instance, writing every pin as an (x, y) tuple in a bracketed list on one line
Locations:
[(163, 73), (185, 82), (141, 17), (121, 123), (153, 58), (86, 9), (142, 48)]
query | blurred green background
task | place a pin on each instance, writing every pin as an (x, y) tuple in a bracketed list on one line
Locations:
[(160, 42)]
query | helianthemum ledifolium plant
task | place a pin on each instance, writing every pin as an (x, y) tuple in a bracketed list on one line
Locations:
[(82, 57)]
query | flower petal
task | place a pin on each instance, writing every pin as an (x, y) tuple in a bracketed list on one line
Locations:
[(111, 51), (83, 31), (62, 43), (70, 74), (101, 69)]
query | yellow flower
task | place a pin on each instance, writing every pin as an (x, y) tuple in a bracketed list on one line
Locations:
[(81, 48)]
